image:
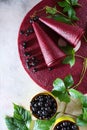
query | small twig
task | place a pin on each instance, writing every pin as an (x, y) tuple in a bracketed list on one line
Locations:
[(71, 115), (82, 73), (79, 56), (85, 38), (35, 12), (64, 109)]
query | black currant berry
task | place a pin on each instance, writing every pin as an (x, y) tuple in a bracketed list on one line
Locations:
[(27, 54), (24, 45), (50, 68), (35, 18), (21, 32), (35, 70), (31, 20), (43, 106)]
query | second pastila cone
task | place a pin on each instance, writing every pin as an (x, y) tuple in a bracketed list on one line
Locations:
[(51, 53), (71, 33)]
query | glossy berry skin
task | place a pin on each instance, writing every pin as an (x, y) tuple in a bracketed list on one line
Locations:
[(43, 106), (66, 125)]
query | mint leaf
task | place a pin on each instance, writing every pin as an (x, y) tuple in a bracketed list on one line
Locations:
[(59, 85), (61, 18), (68, 80), (69, 60), (14, 124), (51, 10), (62, 96), (80, 121), (75, 94), (44, 124)]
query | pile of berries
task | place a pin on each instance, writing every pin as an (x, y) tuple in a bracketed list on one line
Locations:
[(43, 106)]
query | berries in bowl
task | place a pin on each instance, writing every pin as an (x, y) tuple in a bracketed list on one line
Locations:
[(65, 123), (43, 106)]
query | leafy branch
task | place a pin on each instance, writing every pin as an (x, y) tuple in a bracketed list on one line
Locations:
[(22, 120), (63, 90), (68, 14)]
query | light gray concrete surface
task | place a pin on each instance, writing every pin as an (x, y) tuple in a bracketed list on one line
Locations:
[(15, 84)]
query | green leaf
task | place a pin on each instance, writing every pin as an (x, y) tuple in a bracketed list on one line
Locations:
[(63, 4), (68, 1), (68, 80), (59, 85), (44, 124), (75, 18), (84, 101), (51, 10), (14, 124), (80, 121), (67, 8), (71, 12), (74, 2), (85, 114), (75, 94), (62, 96), (68, 50), (61, 18), (21, 119), (69, 60), (21, 114)]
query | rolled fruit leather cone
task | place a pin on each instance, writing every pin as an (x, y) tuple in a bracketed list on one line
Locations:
[(71, 33), (51, 53)]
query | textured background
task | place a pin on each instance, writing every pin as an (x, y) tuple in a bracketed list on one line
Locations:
[(15, 85)]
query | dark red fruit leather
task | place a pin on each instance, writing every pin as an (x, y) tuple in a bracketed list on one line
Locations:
[(43, 77), (71, 33), (51, 53)]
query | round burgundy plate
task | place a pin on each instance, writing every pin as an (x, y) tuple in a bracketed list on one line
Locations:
[(32, 58)]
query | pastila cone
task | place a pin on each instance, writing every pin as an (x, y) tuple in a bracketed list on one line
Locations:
[(51, 53), (71, 33)]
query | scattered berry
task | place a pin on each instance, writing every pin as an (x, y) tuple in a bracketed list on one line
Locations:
[(21, 32), (27, 54), (26, 34), (31, 20), (50, 68), (24, 45), (35, 70), (29, 31), (35, 18)]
